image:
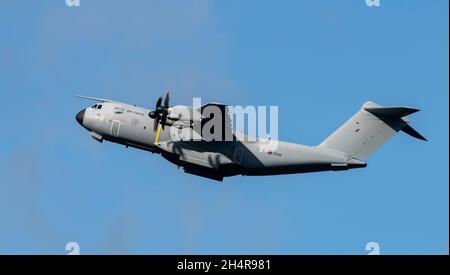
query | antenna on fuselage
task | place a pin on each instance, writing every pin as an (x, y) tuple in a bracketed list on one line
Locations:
[(94, 98)]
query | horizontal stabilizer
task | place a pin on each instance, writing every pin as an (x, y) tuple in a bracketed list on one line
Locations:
[(396, 114), (391, 111), (410, 131)]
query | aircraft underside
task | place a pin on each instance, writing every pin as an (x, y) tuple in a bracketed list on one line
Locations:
[(233, 169)]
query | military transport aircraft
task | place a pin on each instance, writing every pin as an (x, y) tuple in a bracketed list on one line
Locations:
[(347, 148)]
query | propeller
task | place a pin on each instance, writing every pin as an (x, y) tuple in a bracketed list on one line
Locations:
[(160, 115)]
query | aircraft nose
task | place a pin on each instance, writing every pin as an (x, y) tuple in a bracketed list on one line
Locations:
[(80, 117)]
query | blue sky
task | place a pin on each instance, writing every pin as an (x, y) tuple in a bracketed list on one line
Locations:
[(317, 60)]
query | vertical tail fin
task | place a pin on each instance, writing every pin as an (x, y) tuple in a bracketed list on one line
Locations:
[(369, 128)]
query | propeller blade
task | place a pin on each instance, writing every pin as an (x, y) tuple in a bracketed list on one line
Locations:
[(166, 100), (155, 123), (158, 103), (164, 118)]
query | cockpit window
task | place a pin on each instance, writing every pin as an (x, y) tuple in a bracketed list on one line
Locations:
[(99, 106), (94, 107)]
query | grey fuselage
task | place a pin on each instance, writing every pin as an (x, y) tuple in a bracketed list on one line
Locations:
[(130, 125)]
